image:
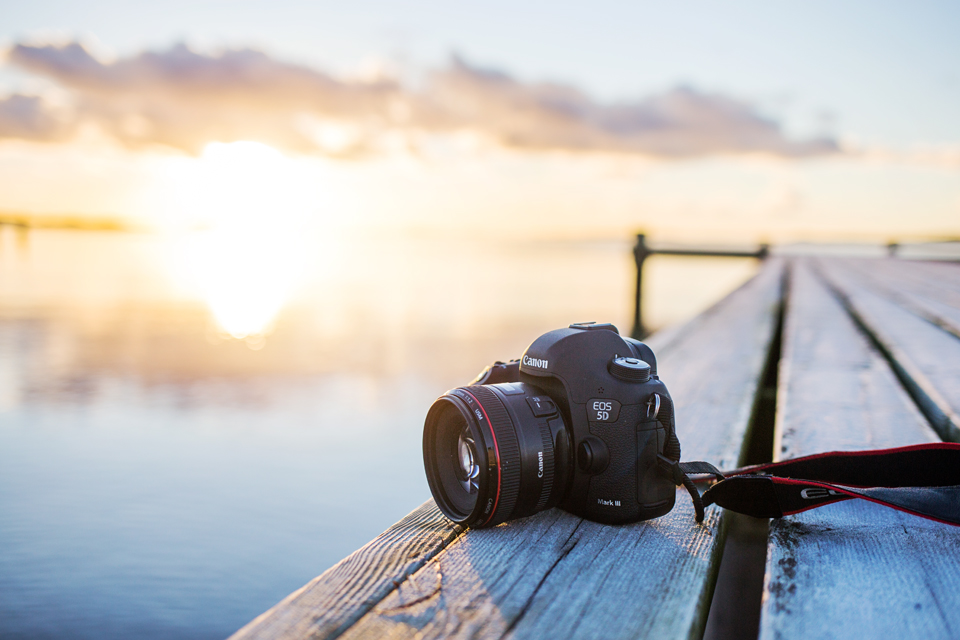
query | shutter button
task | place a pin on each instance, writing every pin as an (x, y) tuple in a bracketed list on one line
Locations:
[(630, 369)]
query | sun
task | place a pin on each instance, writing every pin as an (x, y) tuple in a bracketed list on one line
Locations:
[(255, 206)]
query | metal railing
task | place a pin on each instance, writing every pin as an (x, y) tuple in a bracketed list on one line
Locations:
[(642, 251)]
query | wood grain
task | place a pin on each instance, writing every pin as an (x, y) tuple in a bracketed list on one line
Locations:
[(853, 569), (330, 603), (558, 576), (924, 355)]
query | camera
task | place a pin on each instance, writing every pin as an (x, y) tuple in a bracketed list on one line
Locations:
[(581, 421)]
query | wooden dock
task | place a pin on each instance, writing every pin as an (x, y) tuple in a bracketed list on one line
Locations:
[(869, 358)]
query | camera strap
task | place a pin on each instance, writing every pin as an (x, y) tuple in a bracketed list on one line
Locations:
[(923, 480)]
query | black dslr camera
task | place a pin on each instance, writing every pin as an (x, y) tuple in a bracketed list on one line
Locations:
[(581, 421)]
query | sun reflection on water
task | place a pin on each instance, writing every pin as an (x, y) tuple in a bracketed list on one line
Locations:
[(254, 251)]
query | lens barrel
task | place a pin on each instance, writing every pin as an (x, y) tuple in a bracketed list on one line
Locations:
[(493, 453)]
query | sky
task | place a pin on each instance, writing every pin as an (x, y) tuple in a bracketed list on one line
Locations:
[(744, 120)]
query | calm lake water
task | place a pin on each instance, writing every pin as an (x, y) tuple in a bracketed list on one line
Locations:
[(161, 479)]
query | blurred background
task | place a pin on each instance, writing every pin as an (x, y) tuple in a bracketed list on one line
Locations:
[(243, 246)]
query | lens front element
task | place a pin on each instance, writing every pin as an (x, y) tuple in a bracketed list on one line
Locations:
[(489, 458), (468, 463)]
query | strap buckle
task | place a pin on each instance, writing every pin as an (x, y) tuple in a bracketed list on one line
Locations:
[(672, 467)]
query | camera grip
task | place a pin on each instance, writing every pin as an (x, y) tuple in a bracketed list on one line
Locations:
[(631, 487)]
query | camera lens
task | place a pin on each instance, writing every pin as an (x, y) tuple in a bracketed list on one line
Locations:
[(495, 452), (469, 469)]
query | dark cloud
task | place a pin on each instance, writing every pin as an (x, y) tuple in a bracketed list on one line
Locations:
[(184, 99)]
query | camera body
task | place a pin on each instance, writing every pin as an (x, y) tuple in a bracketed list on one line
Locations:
[(581, 421), (608, 403)]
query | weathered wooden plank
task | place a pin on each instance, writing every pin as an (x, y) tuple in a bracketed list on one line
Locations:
[(556, 575), (939, 280), (713, 369), (928, 289), (330, 603), (924, 356), (853, 569)]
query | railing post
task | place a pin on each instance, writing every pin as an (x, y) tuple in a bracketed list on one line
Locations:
[(640, 253)]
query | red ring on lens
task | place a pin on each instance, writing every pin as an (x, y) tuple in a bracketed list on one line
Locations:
[(496, 450)]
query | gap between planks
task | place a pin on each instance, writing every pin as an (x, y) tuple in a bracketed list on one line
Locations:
[(852, 569), (923, 387)]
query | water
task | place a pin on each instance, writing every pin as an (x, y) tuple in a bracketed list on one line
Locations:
[(159, 479)]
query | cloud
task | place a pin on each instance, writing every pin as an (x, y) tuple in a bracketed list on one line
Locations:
[(682, 122), (28, 118), (184, 99)]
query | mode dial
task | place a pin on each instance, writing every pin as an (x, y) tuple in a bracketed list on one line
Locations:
[(630, 369)]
